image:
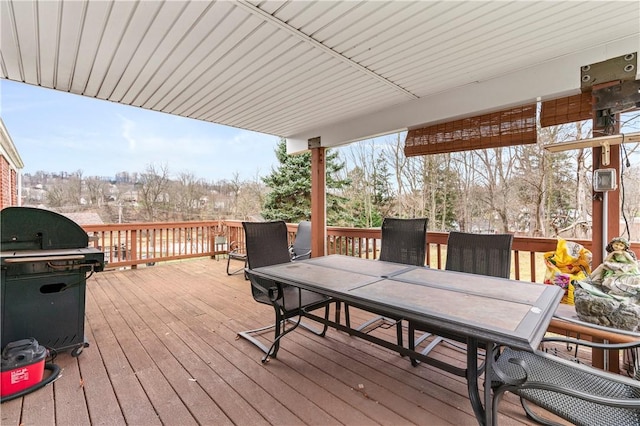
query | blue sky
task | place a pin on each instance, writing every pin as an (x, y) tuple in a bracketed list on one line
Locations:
[(56, 131)]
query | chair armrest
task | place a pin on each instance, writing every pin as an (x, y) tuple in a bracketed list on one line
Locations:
[(623, 339), (234, 248), (271, 289), (234, 252), (302, 256), (608, 330), (568, 389), (589, 343), (275, 292)]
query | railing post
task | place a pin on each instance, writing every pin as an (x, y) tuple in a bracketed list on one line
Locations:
[(212, 240), (134, 248)]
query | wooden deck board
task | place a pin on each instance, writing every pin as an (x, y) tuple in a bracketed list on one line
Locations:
[(164, 350), (106, 407)]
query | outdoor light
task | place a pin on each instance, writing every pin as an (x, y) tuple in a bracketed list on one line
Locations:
[(604, 180)]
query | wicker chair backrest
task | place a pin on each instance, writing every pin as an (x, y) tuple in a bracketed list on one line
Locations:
[(404, 241), (483, 254)]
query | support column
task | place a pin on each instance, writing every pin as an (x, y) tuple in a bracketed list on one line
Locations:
[(318, 198), (613, 197), (613, 221)]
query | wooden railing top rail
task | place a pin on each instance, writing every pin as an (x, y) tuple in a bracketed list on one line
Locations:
[(152, 225), (130, 244)]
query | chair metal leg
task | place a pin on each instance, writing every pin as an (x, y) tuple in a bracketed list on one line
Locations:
[(275, 345), (280, 334), (231, 257), (536, 418), (280, 331), (422, 338), (248, 335), (435, 342), (382, 320)]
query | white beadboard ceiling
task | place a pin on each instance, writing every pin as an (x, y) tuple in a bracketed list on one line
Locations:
[(341, 70)]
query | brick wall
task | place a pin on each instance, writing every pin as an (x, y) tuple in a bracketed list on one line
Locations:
[(14, 188), (9, 184)]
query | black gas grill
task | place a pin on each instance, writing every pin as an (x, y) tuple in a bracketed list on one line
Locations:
[(44, 258)]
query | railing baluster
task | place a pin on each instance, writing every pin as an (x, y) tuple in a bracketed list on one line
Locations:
[(136, 243)]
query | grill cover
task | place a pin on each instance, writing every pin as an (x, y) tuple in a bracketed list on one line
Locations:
[(44, 258), (27, 228)]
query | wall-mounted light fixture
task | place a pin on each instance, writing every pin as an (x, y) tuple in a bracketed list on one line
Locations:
[(604, 180)]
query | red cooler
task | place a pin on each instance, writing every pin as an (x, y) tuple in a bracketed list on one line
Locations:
[(22, 366)]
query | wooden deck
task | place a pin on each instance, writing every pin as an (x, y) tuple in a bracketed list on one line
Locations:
[(163, 351)]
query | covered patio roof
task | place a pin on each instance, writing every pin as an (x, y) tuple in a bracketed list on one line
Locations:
[(339, 70)]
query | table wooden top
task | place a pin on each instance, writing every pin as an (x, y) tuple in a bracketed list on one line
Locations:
[(370, 267)]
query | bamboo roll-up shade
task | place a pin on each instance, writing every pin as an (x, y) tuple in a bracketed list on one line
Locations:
[(515, 126), (566, 110)]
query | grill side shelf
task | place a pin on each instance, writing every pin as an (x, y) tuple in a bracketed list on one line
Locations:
[(43, 258)]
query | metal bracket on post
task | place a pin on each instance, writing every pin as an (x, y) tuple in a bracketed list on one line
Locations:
[(620, 68), (606, 153), (314, 143)]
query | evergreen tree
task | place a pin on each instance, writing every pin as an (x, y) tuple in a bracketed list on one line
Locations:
[(358, 197), (382, 193), (289, 196)]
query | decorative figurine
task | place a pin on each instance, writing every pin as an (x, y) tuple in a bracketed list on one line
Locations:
[(618, 274), (610, 296)]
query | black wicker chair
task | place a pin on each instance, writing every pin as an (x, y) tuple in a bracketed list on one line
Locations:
[(235, 254), (578, 393), (266, 244), (483, 254), (403, 241), (301, 247)]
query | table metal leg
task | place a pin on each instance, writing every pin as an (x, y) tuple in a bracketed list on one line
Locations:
[(472, 380), (483, 413), (488, 391)]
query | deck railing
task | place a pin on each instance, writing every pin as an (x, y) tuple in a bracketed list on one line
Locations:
[(133, 244), (527, 262)]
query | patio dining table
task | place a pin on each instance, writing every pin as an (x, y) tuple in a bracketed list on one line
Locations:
[(478, 310)]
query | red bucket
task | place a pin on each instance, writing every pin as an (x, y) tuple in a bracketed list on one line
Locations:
[(22, 366)]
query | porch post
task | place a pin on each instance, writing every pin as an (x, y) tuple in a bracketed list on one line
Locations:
[(613, 197), (318, 200), (598, 357)]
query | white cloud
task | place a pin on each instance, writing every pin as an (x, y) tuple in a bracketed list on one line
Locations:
[(127, 129)]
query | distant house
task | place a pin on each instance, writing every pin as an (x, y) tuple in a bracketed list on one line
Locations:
[(10, 166), (85, 218)]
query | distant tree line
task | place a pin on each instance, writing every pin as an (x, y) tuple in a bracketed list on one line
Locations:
[(523, 189), (152, 195)]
